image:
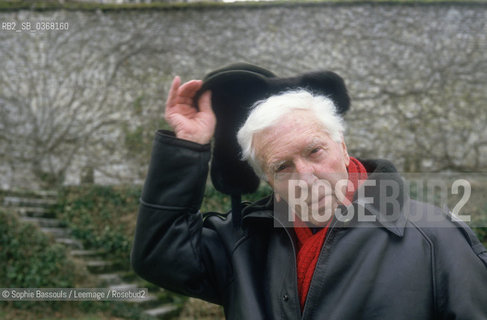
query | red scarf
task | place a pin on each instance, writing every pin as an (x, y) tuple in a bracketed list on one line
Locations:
[(309, 244)]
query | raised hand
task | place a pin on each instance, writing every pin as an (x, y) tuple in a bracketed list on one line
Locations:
[(181, 113)]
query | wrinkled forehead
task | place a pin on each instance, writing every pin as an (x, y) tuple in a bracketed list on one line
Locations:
[(296, 121), (289, 134)]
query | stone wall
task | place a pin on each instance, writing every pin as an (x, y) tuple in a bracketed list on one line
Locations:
[(417, 75)]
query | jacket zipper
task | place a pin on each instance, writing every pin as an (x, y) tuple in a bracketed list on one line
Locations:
[(296, 293), (329, 237)]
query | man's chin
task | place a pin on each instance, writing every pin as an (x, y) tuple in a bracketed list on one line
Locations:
[(323, 221), (317, 218)]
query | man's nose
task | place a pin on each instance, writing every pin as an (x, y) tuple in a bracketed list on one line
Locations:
[(305, 171), (303, 166)]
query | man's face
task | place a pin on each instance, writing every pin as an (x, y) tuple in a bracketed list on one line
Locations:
[(297, 148)]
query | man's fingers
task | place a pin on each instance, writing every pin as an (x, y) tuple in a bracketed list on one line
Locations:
[(189, 88), (184, 100), (205, 102), (173, 92)]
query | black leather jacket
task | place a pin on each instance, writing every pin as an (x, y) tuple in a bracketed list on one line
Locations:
[(394, 269)]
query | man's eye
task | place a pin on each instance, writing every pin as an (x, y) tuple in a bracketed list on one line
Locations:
[(281, 167), (315, 150)]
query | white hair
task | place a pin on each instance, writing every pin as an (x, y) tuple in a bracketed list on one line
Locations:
[(266, 113)]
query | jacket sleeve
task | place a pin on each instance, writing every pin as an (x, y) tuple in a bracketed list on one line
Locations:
[(461, 274), (171, 247)]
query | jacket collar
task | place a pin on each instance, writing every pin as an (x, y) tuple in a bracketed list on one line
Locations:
[(388, 183), (381, 175)]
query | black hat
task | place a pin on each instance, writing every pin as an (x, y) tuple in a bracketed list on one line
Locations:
[(235, 89)]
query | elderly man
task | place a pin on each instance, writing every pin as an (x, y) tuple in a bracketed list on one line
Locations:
[(308, 261)]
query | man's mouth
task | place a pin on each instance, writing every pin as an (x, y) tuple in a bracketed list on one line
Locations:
[(321, 199)]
